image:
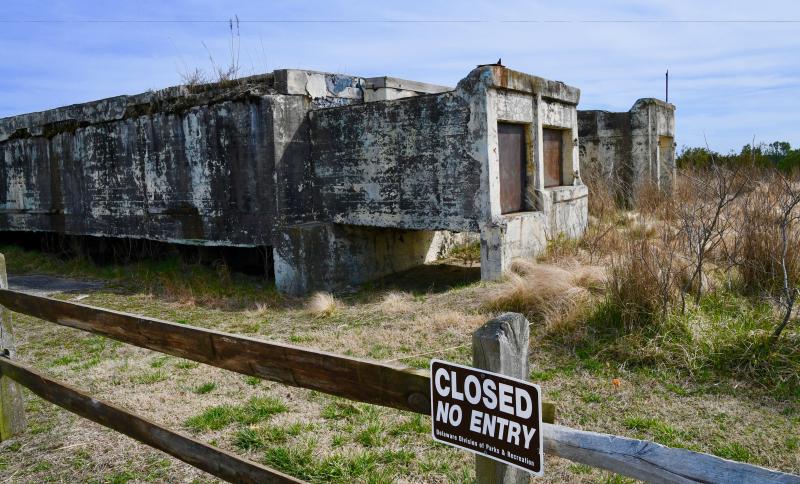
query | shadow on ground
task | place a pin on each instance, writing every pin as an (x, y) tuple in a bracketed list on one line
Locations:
[(429, 278), (42, 285)]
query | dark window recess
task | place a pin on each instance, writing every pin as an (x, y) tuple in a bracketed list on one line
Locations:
[(511, 140), (553, 157)]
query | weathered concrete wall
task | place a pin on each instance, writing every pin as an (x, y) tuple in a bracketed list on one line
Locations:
[(402, 163), (653, 121), (217, 164), (323, 256), (346, 178), (192, 169), (537, 104), (630, 148)]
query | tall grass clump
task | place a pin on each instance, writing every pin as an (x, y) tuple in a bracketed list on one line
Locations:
[(759, 248), (554, 296), (643, 280), (603, 200)]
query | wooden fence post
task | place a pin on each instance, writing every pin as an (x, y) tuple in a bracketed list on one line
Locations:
[(501, 346), (12, 405)]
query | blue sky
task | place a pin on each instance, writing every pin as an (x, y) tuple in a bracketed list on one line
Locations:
[(730, 81)]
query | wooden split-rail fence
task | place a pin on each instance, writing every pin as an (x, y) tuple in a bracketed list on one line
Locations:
[(501, 345)]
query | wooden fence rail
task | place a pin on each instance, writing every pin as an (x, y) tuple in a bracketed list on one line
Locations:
[(218, 462), (353, 378)]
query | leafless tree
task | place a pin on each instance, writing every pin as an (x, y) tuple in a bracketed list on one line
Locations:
[(702, 219), (789, 215)]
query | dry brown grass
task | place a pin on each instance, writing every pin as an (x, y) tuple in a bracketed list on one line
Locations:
[(644, 278), (759, 244), (322, 304), (651, 200), (602, 197), (554, 295), (397, 302)]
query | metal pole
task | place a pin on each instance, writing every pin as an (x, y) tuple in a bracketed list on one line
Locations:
[(667, 86)]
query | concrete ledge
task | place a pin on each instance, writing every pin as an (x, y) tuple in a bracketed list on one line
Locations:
[(567, 193)]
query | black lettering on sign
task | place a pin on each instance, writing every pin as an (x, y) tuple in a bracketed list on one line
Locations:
[(487, 413)]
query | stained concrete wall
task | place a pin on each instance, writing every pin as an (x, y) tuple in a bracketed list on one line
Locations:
[(537, 104), (186, 173), (343, 189), (630, 148), (402, 164)]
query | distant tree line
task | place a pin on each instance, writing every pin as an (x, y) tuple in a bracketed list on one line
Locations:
[(778, 154)]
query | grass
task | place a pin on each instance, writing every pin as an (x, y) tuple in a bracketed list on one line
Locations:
[(338, 467), (255, 410), (150, 377), (678, 384), (725, 336), (204, 388), (261, 437), (169, 277), (657, 430)]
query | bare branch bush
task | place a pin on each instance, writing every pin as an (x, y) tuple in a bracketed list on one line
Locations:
[(789, 215), (702, 209)]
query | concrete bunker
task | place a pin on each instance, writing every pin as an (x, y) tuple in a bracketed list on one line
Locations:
[(344, 179), (629, 149)]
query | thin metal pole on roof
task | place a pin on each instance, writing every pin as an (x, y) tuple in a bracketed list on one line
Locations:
[(667, 86)]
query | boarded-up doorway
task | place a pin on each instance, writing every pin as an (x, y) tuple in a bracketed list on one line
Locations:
[(553, 157), (511, 141)]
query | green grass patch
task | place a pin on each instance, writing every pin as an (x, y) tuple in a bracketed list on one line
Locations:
[(150, 377), (414, 425), (733, 451), (371, 436), (169, 276), (186, 365), (339, 410), (726, 335), (65, 360), (254, 438), (377, 466), (159, 362), (659, 431), (256, 409), (252, 380), (204, 388)]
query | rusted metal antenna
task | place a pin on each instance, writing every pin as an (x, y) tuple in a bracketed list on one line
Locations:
[(667, 86)]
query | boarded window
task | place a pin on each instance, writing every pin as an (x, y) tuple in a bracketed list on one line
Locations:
[(553, 157), (511, 141)]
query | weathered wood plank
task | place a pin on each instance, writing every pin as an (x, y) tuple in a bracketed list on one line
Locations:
[(12, 404), (352, 378), (215, 461), (652, 462), (501, 346)]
